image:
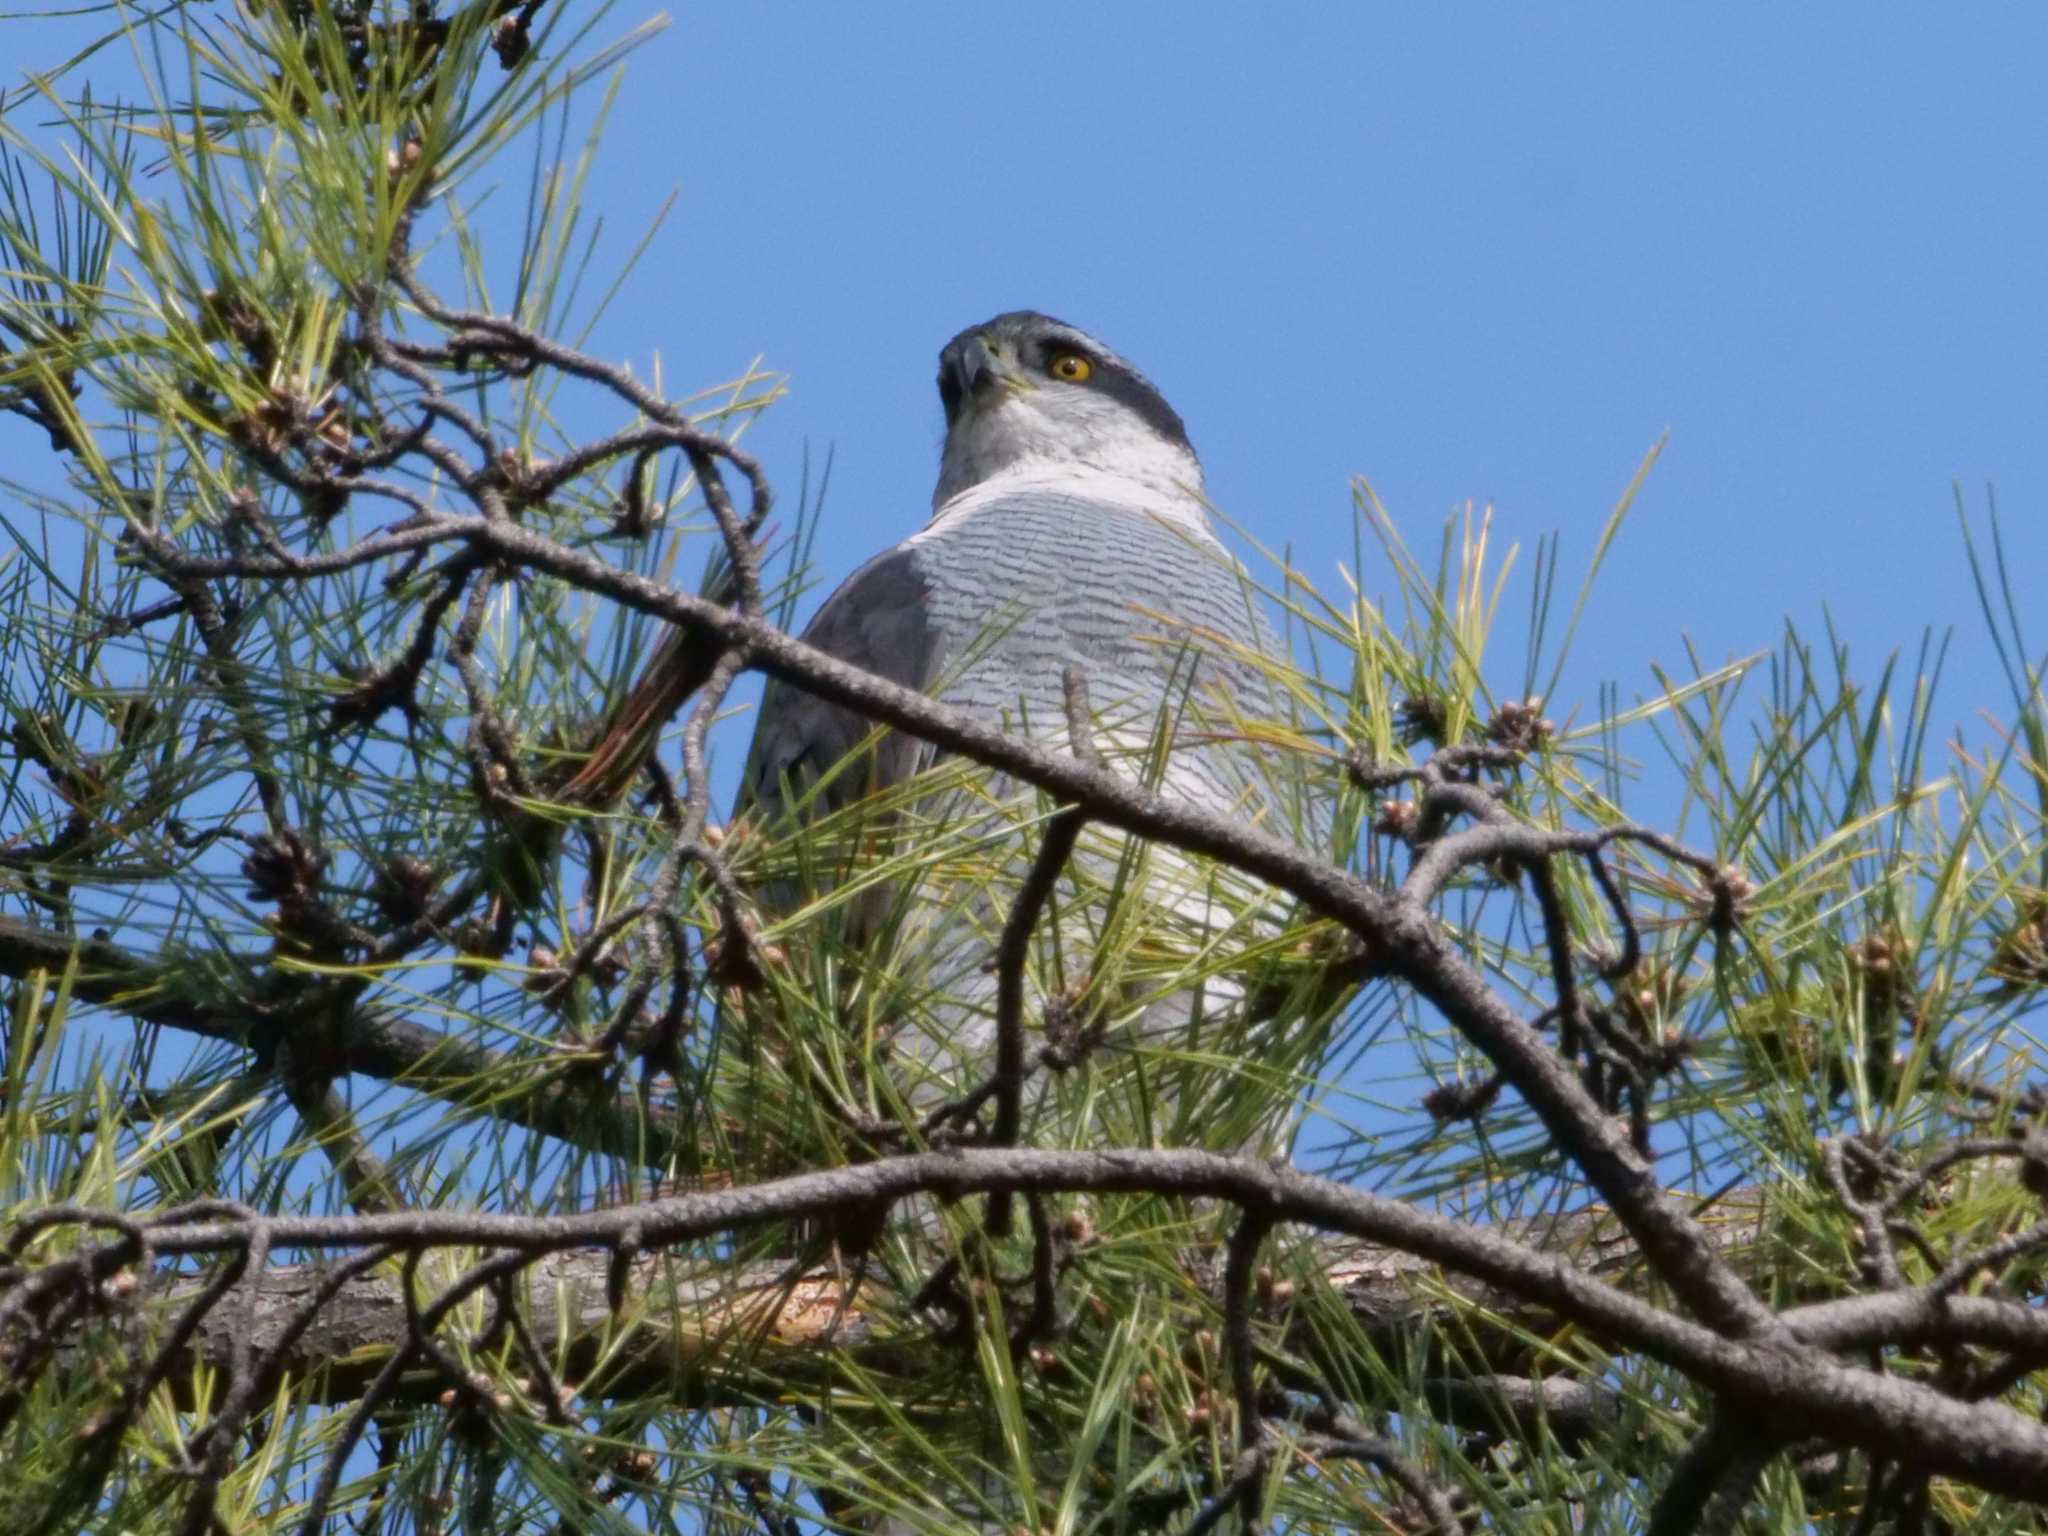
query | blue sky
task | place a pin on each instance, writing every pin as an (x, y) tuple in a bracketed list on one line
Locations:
[(1474, 253), (1485, 253)]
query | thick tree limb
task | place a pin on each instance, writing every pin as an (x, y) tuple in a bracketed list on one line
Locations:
[(542, 1095), (1388, 1291), (1784, 1384)]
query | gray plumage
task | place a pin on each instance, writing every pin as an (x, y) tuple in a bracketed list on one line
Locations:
[(1064, 531), (1068, 529), (988, 608)]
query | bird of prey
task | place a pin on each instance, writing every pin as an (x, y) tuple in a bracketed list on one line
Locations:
[(1068, 530)]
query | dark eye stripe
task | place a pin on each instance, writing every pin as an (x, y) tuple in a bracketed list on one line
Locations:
[(1136, 393), (1124, 384)]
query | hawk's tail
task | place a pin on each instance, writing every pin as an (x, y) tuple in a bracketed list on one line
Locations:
[(680, 666)]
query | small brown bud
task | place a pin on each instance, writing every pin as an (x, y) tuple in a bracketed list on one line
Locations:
[(510, 41), (1397, 818), (1727, 894), (733, 958), (1421, 718), (547, 973), (1520, 726), (476, 937), (1460, 1101), (403, 888)]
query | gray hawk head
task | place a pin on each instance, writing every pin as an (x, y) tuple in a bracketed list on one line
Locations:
[(1025, 393)]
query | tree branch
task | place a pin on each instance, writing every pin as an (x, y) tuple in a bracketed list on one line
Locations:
[(536, 1092), (1780, 1380)]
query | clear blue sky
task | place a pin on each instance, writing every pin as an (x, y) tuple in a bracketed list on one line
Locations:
[(1468, 252), (1471, 252)]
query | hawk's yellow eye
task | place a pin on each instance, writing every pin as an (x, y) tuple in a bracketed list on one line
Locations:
[(1071, 366)]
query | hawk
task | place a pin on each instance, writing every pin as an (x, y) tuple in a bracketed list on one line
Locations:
[(1068, 531), (1068, 528)]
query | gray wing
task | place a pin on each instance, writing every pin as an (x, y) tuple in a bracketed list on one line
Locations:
[(880, 621)]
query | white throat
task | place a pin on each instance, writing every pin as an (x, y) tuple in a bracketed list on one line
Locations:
[(1176, 500), (1022, 436)]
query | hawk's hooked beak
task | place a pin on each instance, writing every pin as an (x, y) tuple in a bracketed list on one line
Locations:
[(970, 370), (978, 366)]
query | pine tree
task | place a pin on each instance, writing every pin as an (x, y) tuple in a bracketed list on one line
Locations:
[(409, 1125)]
